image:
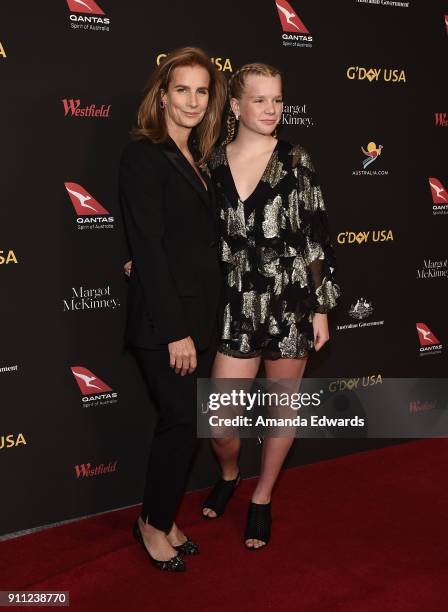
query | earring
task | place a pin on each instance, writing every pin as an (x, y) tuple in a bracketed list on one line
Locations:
[(162, 104), (236, 116)]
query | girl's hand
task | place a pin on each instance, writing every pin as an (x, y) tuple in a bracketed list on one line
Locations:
[(320, 327)]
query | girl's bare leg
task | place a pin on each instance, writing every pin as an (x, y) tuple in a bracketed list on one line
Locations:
[(227, 450), (274, 449)]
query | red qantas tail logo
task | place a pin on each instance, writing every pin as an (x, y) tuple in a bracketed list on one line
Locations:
[(425, 335), (289, 19), (88, 383), (83, 202), (439, 194), (84, 6)]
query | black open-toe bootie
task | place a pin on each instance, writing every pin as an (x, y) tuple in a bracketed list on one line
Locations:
[(258, 525), (175, 564), (219, 496)]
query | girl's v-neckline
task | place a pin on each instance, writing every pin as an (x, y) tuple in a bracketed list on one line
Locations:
[(274, 150)]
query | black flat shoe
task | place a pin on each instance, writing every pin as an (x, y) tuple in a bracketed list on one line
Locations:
[(219, 496), (187, 548), (258, 526), (175, 564)]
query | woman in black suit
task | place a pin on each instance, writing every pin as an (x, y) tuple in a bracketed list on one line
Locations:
[(171, 224)]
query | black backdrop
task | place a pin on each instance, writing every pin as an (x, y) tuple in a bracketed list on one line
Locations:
[(49, 432)]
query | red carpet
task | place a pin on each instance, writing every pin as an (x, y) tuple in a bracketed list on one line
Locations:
[(365, 532)]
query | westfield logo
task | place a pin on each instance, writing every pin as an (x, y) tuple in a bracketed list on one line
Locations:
[(84, 6), (73, 108), (83, 202), (441, 119), (289, 19), (87, 470), (88, 383)]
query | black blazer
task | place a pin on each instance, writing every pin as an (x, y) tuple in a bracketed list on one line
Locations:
[(172, 229)]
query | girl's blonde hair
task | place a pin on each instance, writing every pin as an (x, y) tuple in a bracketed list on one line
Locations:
[(151, 117), (235, 89)]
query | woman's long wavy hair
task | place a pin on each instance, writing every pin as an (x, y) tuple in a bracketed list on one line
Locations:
[(151, 116), (236, 88)]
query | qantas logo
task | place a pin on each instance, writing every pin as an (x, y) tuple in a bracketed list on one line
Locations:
[(83, 202), (425, 335), (439, 194), (88, 383), (289, 19), (87, 15), (84, 6), (295, 33), (428, 341), (439, 197), (90, 214), (94, 391)]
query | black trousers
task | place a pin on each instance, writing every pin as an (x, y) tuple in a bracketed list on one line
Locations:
[(174, 441)]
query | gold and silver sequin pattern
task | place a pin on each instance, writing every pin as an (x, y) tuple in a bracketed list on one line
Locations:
[(217, 158), (293, 211), (226, 323), (236, 225), (274, 171), (299, 271), (327, 294), (255, 307), (250, 223), (288, 345), (313, 251), (239, 265), (272, 218)]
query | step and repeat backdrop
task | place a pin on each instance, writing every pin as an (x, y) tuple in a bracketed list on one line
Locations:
[(364, 92)]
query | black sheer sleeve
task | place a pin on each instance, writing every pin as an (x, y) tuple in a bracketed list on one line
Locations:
[(318, 252)]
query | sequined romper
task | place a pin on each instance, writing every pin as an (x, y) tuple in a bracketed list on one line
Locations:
[(277, 257)]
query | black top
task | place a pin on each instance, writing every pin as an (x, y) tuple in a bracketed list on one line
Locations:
[(277, 256), (171, 224)]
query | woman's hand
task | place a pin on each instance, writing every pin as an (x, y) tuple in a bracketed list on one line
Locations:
[(320, 327), (182, 352), (183, 356)]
